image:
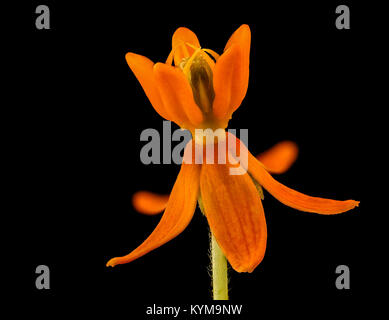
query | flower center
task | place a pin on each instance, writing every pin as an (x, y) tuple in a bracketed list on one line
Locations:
[(197, 67), (200, 77)]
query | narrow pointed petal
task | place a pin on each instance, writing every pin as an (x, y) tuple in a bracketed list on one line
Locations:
[(180, 49), (233, 67), (178, 214), (235, 215), (177, 95), (149, 203), (142, 68), (290, 197), (279, 158)]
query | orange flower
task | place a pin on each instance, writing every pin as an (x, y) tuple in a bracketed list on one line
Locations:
[(201, 91)]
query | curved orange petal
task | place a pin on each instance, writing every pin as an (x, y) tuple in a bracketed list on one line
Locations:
[(149, 203), (290, 197), (180, 49), (227, 78), (142, 68), (235, 215), (241, 36), (280, 157), (178, 214), (177, 95), (231, 73)]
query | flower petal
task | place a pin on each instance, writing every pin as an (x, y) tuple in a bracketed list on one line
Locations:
[(241, 36), (142, 68), (149, 203), (235, 215), (280, 157), (177, 95), (290, 197), (229, 85), (180, 49), (231, 73), (178, 214)]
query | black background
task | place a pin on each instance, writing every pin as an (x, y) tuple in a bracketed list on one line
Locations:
[(79, 117)]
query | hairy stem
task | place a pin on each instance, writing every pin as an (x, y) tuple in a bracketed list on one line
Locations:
[(219, 272)]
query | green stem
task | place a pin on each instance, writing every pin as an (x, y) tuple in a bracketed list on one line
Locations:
[(219, 272)]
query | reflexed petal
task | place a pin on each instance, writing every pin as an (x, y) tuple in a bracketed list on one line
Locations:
[(235, 215), (142, 68), (178, 214), (290, 197), (177, 95), (181, 50), (280, 157), (149, 203)]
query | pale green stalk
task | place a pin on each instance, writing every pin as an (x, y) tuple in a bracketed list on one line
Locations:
[(219, 272), (219, 266)]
